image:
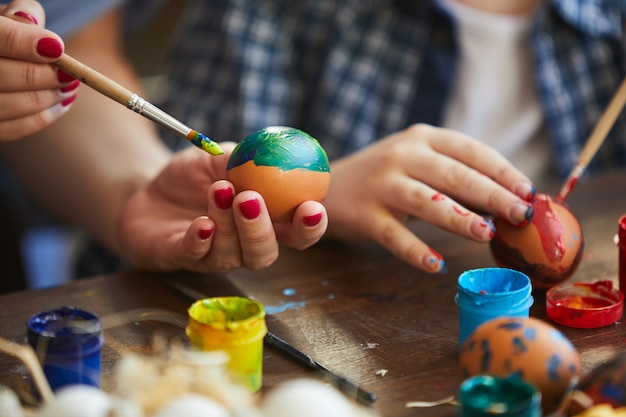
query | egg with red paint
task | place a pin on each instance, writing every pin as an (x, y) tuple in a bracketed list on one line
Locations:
[(285, 165), (526, 348), (548, 249)]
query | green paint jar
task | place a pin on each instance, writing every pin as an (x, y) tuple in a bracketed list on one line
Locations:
[(236, 326), (488, 396)]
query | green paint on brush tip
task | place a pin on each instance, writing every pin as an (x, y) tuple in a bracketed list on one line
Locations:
[(284, 147), (204, 143)]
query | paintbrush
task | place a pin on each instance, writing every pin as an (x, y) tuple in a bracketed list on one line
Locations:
[(116, 92), (346, 386), (595, 140)]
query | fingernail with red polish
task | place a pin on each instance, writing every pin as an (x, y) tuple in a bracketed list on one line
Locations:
[(250, 209), (64, 77), (313, 220), (484, 229), (49, 47), (434, 262), (70, 87), (205, 233), (526, 191), (27, 16), (69, 101), (224, 198)]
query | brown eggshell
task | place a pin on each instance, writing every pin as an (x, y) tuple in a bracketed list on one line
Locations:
[(527, 348), (548, 250), (283, 191)]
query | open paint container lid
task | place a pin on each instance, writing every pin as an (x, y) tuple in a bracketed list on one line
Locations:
[(585, 305)]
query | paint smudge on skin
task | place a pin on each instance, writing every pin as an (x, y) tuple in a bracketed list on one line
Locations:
[(435, 262), (459, 211), (289, 292), (489, 224), (282, 307), (331, 296), (382, 372), (371, 345), (438, 197)]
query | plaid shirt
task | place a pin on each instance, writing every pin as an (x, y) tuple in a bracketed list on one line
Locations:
[(353, 71)]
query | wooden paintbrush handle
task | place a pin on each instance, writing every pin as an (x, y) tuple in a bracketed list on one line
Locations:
[(604, 125), (94, 79)]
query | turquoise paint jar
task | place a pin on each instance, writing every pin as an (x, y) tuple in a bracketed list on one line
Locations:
[(487, 293)]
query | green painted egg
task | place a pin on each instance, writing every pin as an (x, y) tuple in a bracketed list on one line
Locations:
[(285, 165)]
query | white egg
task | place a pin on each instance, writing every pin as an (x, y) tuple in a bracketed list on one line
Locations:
[(192, 405), (307, 398), (77, 401), (9, 403)]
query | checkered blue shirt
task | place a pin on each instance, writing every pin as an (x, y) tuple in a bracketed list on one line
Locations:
[(353, 71)]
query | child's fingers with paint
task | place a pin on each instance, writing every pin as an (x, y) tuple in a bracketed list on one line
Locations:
[(33, 93)]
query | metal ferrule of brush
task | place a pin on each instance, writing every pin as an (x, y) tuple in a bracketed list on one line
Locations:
[(150, 111)]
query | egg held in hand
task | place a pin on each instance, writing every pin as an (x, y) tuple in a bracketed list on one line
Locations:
[(548, 250), (527, 348), (285, 165)]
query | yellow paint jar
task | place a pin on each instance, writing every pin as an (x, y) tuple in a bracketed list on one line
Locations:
[(235, 325)]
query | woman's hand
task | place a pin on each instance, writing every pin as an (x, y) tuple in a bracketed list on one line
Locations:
[(187, 218), (425, 172), (33, 94)]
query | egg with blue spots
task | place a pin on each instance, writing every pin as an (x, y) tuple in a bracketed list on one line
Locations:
[(285, 165), (525, 348)]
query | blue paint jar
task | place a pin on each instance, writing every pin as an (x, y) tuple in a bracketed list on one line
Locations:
[(488, 396), (487, 293), (68, 343)]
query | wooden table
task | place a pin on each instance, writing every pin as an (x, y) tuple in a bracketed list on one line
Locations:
[(357, 310)]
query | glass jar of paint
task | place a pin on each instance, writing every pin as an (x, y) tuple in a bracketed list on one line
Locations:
[(236, 326), (489, 396), (488, 293), (68, 343)]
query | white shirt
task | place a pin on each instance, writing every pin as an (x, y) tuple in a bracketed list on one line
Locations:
[(494, 98)]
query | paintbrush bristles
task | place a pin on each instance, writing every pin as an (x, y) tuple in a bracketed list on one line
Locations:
[(94, 79)]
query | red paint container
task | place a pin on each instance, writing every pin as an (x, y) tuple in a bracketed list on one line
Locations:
[(585, 305), (621, 245)]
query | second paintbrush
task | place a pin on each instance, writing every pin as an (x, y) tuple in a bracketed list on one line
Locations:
[(346, 386), (116, 92)]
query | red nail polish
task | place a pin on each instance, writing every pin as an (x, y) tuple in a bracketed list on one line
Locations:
[(26, 16), (224, 198), (49, 47), (69, 101), (70, 87), (313, 220), (64, 77), (205, 233), (250, 209)]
